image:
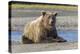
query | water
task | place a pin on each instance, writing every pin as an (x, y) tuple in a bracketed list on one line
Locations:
[(70, 36)]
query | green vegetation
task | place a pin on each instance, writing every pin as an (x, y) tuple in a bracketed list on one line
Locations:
[(38, 6)]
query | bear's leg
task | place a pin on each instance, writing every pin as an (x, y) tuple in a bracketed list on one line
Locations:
[(25, 40), (37, 39)]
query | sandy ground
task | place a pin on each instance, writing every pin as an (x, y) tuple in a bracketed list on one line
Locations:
[(44, 47)]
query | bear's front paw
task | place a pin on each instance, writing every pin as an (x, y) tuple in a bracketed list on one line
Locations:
[(60, 39), (25, 40)]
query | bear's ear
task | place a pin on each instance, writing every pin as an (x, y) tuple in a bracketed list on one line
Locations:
[(43, 13), (55, 14)]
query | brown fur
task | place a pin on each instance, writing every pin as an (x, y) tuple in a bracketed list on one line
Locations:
[(43, 28)]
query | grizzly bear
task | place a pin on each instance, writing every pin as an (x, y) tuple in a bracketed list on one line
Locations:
[(42, 29)]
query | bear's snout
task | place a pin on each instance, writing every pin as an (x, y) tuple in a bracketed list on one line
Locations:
[(52, 22)]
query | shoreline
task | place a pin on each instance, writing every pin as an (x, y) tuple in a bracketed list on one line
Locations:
[(44, 47)]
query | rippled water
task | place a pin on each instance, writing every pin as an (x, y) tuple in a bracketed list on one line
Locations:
[(68, 35)]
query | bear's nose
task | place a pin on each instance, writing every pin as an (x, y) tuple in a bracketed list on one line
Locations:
[(52, 22)]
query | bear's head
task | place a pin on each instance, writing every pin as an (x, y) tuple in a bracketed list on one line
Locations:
[(49, 19)]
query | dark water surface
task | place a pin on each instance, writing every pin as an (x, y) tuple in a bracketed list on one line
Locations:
[(70, 36)]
